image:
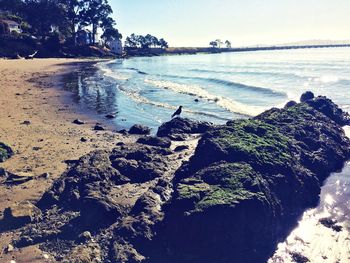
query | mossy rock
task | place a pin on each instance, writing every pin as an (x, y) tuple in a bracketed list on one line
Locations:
[(5, 152), (251, 141), (222, 184)]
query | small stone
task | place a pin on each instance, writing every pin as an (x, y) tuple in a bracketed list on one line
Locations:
[(99, 127), (110, 116), (26, 123), (45, 176), (78, 122), (9, 248), (83, 139), (196, 100), (46, 256)]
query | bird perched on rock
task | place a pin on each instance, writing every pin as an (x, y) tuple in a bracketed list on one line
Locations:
[(177, 112)]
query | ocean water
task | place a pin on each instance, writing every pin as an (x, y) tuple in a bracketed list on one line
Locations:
[(148, 90)]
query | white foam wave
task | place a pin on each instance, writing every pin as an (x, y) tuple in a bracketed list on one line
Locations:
[(140, 99), (197, 91), (107, 71)]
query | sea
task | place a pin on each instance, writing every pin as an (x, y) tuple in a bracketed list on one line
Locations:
[(226, 86)]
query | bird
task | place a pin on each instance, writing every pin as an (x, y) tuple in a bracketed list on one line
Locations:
[(32, 55), (177, 112)]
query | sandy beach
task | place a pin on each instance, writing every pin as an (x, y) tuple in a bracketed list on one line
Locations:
[(36, 116)]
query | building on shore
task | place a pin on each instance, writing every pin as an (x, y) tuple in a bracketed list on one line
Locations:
[(13, 26), (115, 46)]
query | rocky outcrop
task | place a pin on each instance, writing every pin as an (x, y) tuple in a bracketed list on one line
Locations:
[(233, 200), (248, 182), (5, 152), (178, 128)]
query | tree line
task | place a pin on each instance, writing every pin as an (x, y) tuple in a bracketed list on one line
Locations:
[(218, 43), (45, 18), (144, 42)]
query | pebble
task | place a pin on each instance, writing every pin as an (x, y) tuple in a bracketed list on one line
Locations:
[(9, 248), (78, 122)]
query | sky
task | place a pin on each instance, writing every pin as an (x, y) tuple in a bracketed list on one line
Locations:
[(194, 23)]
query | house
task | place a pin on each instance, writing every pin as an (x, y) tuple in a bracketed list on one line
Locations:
[(84, 37), (116, 46), (13, 26)]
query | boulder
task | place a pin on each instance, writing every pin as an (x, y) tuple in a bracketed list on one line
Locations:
[(290, 104), (308, 95), (182, 126), (140, 130)]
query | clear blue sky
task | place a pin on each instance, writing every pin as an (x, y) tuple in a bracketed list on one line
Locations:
[(244, 22)]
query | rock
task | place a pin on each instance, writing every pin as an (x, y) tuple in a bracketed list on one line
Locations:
[(99, 127), (5, 152), (78, 122), (18, 215), (182, 126), (45, 176), (181, 148), (9, 248), (155, 141), (26, 123), (123, 131), (290, 104), (18, 178), (196, 100), (83, 139), (328, 222), (140, 129), (241, 179), (308, 95), (110, 116), (85, 236), (330, 109)]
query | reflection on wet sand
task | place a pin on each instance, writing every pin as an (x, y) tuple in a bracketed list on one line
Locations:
[(323, 233)]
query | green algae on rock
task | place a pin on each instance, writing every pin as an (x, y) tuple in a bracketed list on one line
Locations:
[(5, 152)]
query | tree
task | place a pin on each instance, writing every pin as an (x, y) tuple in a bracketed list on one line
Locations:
[(73, 16), (228, 44), (213, 44), (163, 43), (131, 41), (219, 42), (111, 34), (43, 16), (96, 13)]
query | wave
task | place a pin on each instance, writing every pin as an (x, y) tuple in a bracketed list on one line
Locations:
[(107, 71), (140, 99), (236, 85), (138, 71), (196, 91)]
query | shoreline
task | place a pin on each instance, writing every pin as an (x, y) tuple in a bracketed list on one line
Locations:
[(49, 138)]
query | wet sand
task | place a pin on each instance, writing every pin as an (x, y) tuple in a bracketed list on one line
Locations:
[(31, 91)]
